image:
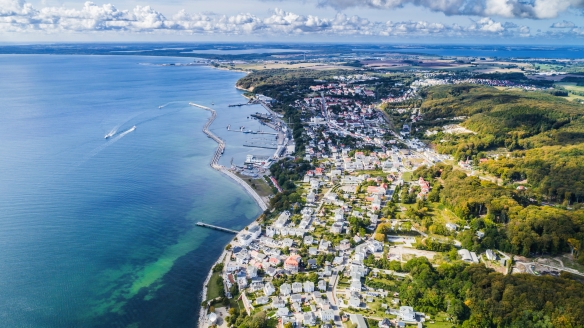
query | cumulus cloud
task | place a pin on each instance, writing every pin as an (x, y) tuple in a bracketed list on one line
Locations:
[(536, 9), (563, 24), (20, 16)]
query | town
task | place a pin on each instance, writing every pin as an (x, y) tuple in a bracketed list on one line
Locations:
[(344, 233)]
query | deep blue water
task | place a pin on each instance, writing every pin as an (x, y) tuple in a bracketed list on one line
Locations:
[(100, 233)]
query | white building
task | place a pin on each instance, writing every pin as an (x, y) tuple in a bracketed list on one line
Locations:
[(297, 287), (468, 256), (282, 220), (308, 286), (278, 302), (255, 231), (491, 255), (322, 285), (354, 301), (285, 289), (406, 313), (269, 289), (309, 319), (337, 228), (244, 239), (327, 315), (311, 197)]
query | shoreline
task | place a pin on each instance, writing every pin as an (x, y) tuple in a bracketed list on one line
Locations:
[(203, 309), (214, 164)]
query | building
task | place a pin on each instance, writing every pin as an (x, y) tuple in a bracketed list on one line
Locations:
[(285, 289), (337, 228), (406, 313), (255, 231), (344, 245), (262, 300), (355, 302), (309, 319), (451, 226), (278, 302), (256, 286), (297, 287), (296, 298), (308, 286), (292, 263), (327, 315), (491, 255), (269, 289), (468, 256), (358, 320), (322, 285), (283, 312), (385, 323), (375, 247), (252, 271), (282, 220), (355, 286)]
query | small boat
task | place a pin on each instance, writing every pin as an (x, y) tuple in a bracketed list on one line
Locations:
[(159, 107), (109, 135)]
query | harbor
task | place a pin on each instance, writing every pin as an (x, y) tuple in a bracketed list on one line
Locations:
[(219, 152)]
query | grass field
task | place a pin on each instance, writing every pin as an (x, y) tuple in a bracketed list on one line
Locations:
[(214, 288), (571, 86), (261, 186)]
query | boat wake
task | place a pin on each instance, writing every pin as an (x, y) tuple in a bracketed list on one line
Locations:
[(111, 140), (168, 103)]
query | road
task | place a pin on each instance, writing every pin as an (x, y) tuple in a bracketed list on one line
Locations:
[(331, 294)]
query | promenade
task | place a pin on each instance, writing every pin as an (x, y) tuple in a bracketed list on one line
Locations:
[(220, 149)]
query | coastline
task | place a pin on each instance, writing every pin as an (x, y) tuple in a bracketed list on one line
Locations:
[(220, 148), (214, 164), (203, 309)]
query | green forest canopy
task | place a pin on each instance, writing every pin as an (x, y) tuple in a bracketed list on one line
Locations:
[(545, 133)]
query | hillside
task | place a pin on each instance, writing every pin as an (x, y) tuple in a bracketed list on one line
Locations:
[(544, 133)]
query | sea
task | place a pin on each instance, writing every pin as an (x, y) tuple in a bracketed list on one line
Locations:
[(98, 232)]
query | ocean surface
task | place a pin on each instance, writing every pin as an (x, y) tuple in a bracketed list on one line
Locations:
[(101, 232)]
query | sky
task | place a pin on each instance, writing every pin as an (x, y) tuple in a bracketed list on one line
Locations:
[(379, 21)]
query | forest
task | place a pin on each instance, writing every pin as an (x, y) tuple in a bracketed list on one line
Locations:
[(475, 296), (543, 133), (511, 221)]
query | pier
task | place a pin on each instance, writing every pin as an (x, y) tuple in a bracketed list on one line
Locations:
[(260, 146), (217, 156), (221, 148), (214, 227)]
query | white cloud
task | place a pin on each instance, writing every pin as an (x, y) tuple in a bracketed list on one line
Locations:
[(19, 16), (524, 31), (537, 9), (563, 24)]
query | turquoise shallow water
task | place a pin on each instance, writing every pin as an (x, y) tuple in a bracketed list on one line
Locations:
[(100, 233)]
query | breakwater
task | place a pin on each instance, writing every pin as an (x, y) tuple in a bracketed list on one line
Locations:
[(220, 149)]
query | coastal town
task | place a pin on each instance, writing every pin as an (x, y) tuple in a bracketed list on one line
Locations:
[(336, 245)]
